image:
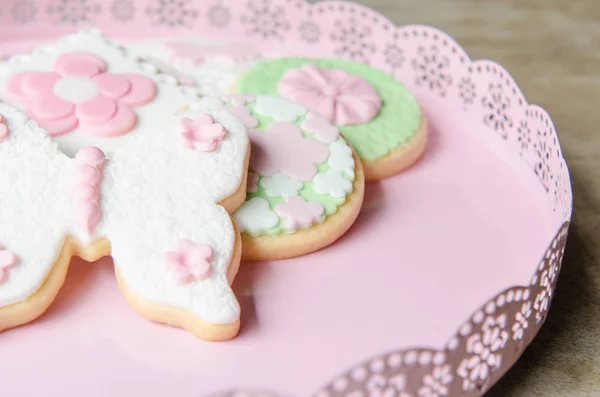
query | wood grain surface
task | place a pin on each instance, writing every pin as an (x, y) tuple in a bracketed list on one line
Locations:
[(552, 48)]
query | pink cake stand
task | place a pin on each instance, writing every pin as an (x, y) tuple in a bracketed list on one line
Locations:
[(446, 277)]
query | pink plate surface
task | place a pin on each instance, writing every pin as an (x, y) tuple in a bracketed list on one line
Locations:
[(462, 230)]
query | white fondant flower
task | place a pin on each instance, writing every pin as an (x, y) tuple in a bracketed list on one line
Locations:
[(279, 109), (280, 185), (255, 216), (333, 183), (340, 158)]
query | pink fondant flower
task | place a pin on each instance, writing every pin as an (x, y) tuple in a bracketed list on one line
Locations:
[(190, 261), (299, 213), (340, 97), (3, 129), (283, 148), (7, 260), (203, 133), (81, 93)]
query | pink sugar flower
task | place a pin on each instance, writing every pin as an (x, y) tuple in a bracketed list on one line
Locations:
[(340, 97), (299, 213), (81, 93), (202, 133), (7, 261), (190, 262)]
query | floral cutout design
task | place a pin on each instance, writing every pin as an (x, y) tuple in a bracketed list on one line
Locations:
[(485, 350), (123, 10), (172, 13), (299, 213), (436, 384), (80, 92), (75, 11), (433, 69), (219, 16), (524, 137), (543, 152), (521, 321), (3, 129), (394, 56), (7, 261), (282, 148), (497, 106), (354, 40), (340, 97), (467, 91), (380, 386), (310, 32), (265, 20), (203, 133), (190, 262), (24, 11)]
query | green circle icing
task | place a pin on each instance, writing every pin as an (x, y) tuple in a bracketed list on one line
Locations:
[(329, 203), (399, 118)]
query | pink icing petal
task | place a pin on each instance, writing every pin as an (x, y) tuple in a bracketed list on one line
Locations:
[(81, 64), (39, 83), (143, 90), (202, 133), (245, 116), (113, 85), (14, 87), (57, 127), (299, 213), (3, 132), (7, 259), (50, 107), (340, 97), (121, 123), (283, 148), (86, 193), (96, 110), (189, 262), (318, 125)]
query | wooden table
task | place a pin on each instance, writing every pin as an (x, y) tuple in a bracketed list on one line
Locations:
[(552, 48)]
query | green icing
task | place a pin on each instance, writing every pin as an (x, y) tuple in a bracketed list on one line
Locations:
[(329, 203), (397, 122)]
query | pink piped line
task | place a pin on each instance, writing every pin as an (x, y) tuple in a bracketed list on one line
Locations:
[(86, 194)]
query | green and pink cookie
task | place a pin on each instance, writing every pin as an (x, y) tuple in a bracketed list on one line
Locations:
[(376, 114)]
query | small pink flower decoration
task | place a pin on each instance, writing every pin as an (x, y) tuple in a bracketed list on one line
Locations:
[(203, 133), (252, 182), (340, 97), (3, 129), (299, 213), (190, 262), (7, 261), (245, 116), (81, 93), (283, 148), (318, 125)]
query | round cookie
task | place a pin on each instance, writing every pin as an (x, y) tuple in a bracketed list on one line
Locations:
[(378, 115), (104, 163), (305, 184)]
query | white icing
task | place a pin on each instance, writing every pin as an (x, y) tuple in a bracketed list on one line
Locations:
[(76, 89), (35, 203), (279, 185), (340, 158), (155, 192), (170, 97), (255, 216), (333, 183), (279, 109), (214, 77)]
